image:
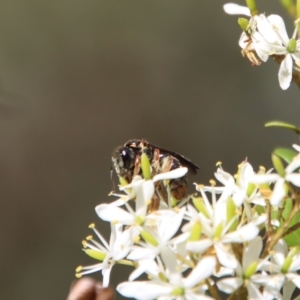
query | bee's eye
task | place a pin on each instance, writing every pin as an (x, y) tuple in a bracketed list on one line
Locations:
[(128, 157)]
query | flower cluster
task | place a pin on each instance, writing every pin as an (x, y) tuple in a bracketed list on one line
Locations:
[(265, 36), (235, 237)]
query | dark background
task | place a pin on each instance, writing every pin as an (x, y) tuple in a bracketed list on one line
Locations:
[(78, 78)]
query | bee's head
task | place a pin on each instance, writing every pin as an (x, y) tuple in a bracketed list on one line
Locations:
[(123, 160)]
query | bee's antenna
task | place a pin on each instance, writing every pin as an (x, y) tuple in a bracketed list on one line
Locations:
[(112, 179)]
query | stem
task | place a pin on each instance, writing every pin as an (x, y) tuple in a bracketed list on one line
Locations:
[(269, 228), (213, 290), (291, 229), (272, 240), (240, 293), (189, 263)]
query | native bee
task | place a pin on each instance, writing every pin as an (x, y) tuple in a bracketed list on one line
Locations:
[(126, 162)]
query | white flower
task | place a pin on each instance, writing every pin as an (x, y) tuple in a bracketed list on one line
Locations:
[(142, 191), (117, 249), (283, 268), (259, 35), (279, 187), (290, 48), (176, 287), (215, 230), (164, 225), (246, 273)]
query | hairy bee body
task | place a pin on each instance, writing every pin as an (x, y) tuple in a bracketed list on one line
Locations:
[(126, 162)]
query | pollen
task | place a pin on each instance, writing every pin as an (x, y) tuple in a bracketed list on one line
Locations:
[(78, 269), (90, 237), (218, 163), (212, 182), (92, 225)]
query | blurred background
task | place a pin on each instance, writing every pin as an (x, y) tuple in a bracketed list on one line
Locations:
[(79, 78)]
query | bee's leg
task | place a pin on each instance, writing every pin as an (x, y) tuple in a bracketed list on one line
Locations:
[(113, 188), (154, 205), (137, 166), (155, 162), (178, 188)]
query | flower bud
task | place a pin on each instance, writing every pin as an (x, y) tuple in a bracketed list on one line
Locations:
[(252, 6), (145, 166), (244, 23)]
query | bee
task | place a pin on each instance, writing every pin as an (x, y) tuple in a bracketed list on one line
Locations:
[(126, 162)]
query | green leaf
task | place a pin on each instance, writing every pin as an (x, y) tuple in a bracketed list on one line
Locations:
[(252, 6), (293, 239), (283, 125), (286, 154), (278, 165)]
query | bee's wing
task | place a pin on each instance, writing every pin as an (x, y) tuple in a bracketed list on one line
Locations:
[(186, 162)]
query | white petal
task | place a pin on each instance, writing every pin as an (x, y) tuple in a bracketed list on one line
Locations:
[(243, 234), (293, 178), (148, 191), (238, 197), (111, 213), (177, 173), (253, 292), (122, 245), (263, 178), (143, 290), (193, 296), (266, 30), (106, 275), (288, 290), (223, 176), (168, 226), (272, 281), (235, 9), (278, 192), (257, 220), (294, 164), (279, 26), (226, 256), (227, 192), (296, 56), (199, 246), (145, 266), (259, 201), (281, 251), (229, 285), (139, 253), (262, 48), (202, 271), (169, 259), (246, 172), (295, 278), (296, 147), (223, 272), (285, 72), (244, 41), (295, 266), (252, 252), (136, 182)]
